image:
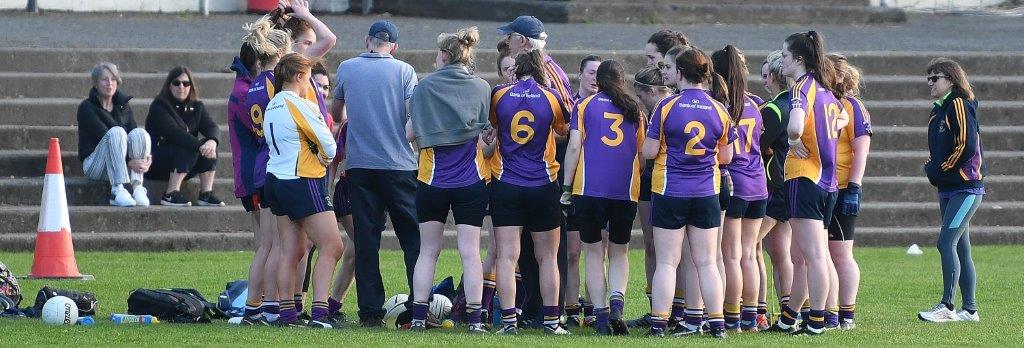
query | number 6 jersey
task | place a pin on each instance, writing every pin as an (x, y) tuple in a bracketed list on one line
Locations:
[(527, 116), (690, 127)]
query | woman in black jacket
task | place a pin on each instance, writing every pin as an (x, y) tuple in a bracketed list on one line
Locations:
[(185, 140), (955, 166), (110, 144)]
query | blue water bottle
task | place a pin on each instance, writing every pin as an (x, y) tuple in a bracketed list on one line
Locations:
[(85, 321), (133, 319)]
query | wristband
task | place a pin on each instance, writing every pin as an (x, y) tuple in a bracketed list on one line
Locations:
[(566, 188), (794, 142)]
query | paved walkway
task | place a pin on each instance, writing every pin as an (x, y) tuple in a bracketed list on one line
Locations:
[(920, 33)]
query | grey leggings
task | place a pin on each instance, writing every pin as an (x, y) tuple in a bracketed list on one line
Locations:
[(954, 246), (109, 160)]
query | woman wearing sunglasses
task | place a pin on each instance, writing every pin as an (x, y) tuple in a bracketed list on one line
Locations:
[(956, 168), (184, 140)]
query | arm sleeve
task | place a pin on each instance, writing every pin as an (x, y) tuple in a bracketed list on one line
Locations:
[(209, 129), (558, 123), (160, 124), (339, 89), (316, 130), (411, 81), (654, 128), (575, 118), (860, 120), (963, 128), (771, 117)]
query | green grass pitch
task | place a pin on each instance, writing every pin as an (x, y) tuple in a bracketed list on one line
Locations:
[(894, 287)]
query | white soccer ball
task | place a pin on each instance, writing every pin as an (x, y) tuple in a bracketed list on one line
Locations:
[(60, 310), (395, 306), (440, 307)]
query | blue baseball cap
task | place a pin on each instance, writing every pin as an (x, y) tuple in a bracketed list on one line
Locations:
[(384, 30), (528, 26)]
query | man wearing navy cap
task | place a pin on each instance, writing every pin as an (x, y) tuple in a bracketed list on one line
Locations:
[(372, 94)]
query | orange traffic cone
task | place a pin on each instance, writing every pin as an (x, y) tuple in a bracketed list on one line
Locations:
[(55, 255)]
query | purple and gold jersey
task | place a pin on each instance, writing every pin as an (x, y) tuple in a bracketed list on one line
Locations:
[(452, 166), (260, 92), (690, 127), (609, 162), (527, 116), (746, 168), (819, 135), (859, 125)]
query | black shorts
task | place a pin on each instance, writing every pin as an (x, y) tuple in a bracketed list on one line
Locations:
[(536, 209), (645, 181), (594, 214), (842, 226), (297, 198), (743, 209), (251, 202), (725, 194), (468, 204), (342, 205), (675, 212), (807, 200), (778, 206)]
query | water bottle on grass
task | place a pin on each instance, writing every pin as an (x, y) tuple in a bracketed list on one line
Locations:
[(133, 319)]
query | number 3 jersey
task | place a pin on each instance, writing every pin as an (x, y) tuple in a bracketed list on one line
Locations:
[(609, 163), (527, 116), (819, 136), (690, 127)]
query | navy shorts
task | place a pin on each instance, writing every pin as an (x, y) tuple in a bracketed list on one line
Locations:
[(342, 205), (725, 194), (778, 205), (676, 212), (842, 226), (468, 204), (743, 209), (536, 209), (593, 214), (645, 181), (297, 198), (807, 200), (251, 202)]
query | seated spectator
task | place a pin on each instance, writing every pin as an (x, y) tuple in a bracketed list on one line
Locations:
[(185, 140), (110, 145)]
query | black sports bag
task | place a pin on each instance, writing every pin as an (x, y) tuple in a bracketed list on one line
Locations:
[(86, 301), (172, 305)]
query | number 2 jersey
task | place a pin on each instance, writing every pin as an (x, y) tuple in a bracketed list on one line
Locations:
[(527, 116), (609, 161), (819, 135), (746, 169), (689, 126)]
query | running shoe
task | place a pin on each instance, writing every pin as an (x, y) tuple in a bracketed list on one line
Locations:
[(938, 314)]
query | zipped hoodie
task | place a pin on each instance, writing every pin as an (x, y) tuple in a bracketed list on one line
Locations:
[(955, 160)]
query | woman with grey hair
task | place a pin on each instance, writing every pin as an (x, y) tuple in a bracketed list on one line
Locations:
[(110, 144)]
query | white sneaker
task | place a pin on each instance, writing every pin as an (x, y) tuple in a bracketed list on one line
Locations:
[(964, 315), (119, 197), (938, 314), (141, 196)]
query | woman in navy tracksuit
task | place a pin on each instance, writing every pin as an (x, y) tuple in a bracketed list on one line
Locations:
[(956, 168)]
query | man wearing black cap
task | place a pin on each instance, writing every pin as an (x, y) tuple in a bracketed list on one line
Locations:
[(523, 34), (372, 93)]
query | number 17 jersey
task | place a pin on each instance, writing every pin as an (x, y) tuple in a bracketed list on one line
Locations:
[(527, 116)]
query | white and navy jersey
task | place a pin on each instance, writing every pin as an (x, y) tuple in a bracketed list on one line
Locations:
[(300, 143)]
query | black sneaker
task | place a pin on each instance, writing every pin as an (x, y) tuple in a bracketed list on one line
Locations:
[(573, 321), (619, 327), (295, 323), (641, 322), (655, 332), (305, 316), (372, 322), (207, 199), (316, 324), (556, 329), (808, 331), (683, 331), (719, 334), (338, 318), (508, 330), (254, 321), (478, 328), (175, 199)]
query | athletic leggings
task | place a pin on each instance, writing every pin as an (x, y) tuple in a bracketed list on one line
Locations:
[(108, 161), (954, 246)]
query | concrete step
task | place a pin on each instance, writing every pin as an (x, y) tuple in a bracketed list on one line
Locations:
[(81, 60), (25, 219), (730, 13), (32, 163), (743, 2), (909, 214), (241, 241), (911, 163), (17, 137), (83, 192), (897, 189), (914, 112), (218, 85)]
